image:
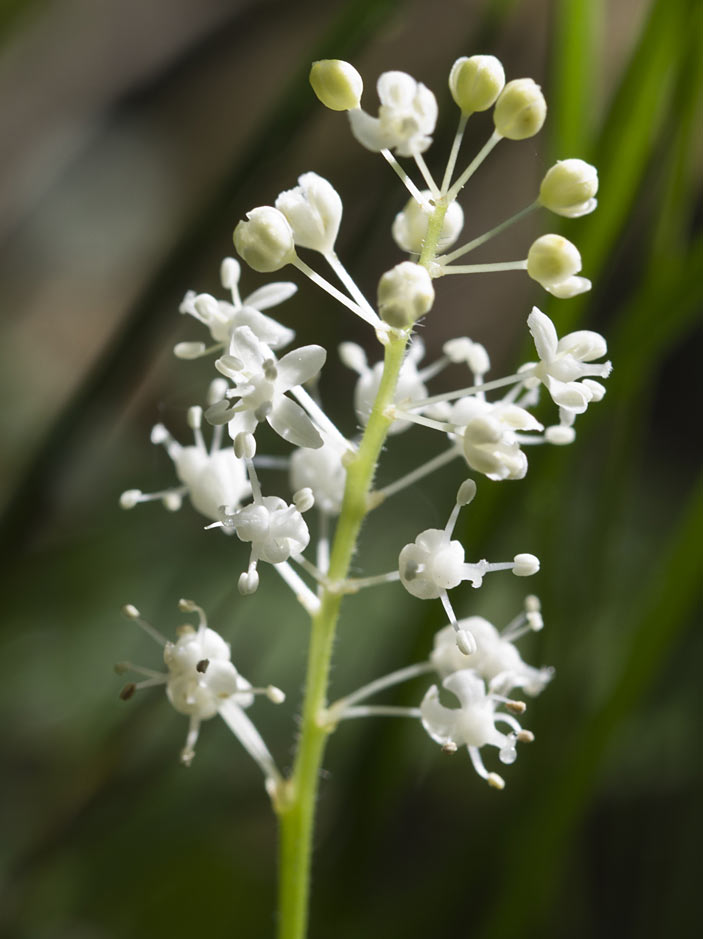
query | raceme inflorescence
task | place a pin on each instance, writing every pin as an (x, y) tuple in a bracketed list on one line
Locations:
[(264, 382)]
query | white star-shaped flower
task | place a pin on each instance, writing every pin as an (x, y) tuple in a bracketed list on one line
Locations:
[(473, 723), (406, 118), (566, 362), (260, 385), (222, 316), (487, 431)]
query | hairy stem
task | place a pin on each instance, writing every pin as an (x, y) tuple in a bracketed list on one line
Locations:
[(295, 798)]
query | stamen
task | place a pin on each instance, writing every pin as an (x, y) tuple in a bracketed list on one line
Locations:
[(131, 612), (189, 606)]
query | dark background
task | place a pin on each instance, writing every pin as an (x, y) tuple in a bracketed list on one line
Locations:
[(133, 136)]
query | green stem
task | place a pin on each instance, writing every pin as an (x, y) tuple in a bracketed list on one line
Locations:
[(295, 799)]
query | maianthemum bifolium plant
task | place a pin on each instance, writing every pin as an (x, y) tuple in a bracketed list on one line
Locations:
[(487, 426)]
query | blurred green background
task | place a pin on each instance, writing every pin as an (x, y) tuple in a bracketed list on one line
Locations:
[(134, 134)]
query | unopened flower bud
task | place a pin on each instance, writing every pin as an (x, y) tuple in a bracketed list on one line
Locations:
[(525, 565), (569, 187), (130, 498), (337, 84), (405, 293), (265, 240), (476, 82), (520, 110), (313, 210), (560, 435), (410, 225), (552, 260)]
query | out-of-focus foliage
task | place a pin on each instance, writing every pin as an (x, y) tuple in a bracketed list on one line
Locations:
[(135, 139)]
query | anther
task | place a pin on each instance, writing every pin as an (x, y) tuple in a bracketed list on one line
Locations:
[(516, 707), (202, 666), (128, 691)]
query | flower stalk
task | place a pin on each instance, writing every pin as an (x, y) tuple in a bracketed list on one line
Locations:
[(295, 798)]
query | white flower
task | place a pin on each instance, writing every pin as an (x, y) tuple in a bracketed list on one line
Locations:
[(261, 383), (496, 659), (462, 349), (410, 387), (211, 478), (487, 431), (314, 211), (406, 118), (410, 225), (221, 316), (566, 365), (201, 681), (322, 471), (432, 564), (553, 262), (569, 188), (276, 530), (473, 723)]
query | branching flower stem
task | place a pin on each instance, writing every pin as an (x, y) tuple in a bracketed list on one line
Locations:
[(295, 798)]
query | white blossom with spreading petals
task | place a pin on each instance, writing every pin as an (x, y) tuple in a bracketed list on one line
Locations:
[(487, 431), (496, 659), (566, 367), (260, 385), (211, 478), (222, 316), (406, 118), (275, 529), (473, 723), (201, 681)]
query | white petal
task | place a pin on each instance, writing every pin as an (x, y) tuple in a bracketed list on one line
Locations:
[(299, 366), (569, 395), (271, 295), (543, 333), (292, 423), (367, 130), (437, 720), (265, 328), (584, 344), (571, 287), (396, 89)]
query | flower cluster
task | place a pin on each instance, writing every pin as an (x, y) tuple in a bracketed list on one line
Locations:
[(264, 384)]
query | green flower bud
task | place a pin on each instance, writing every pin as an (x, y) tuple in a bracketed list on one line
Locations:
[(569, 187), (337, 84), (405, 293), (265, 240), (475, 83), (520, 110)]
